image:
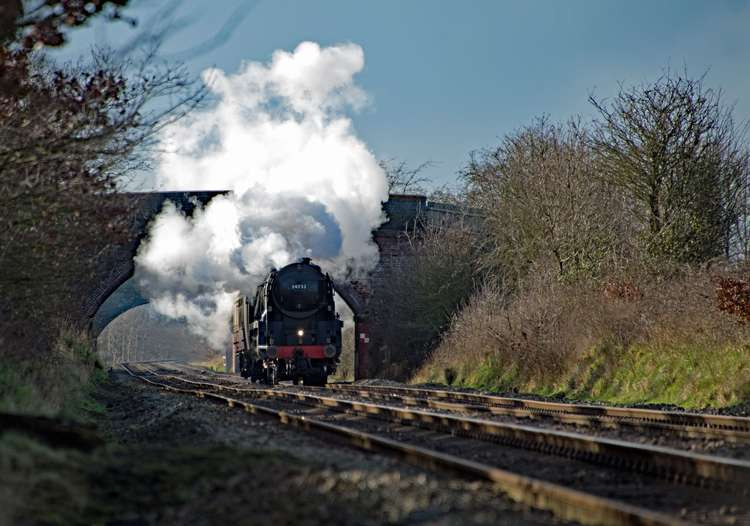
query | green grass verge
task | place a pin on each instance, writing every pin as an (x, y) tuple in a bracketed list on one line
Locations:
[(58, 382), (687, 375), (215, 364)]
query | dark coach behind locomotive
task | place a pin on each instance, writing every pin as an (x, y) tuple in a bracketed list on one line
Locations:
[(291, 331)]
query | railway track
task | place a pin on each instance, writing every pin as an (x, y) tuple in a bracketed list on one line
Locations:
[(734, 429), (666, 463), (473, 446), (693, 424), (693, 434)]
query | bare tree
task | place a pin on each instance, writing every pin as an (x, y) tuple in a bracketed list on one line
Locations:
[(402, 179), (32, 23), (673, 146), (545, 208), (67, 135), (739, 247), (142, 334)]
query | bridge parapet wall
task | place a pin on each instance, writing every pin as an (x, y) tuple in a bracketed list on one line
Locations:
[(407, 214)]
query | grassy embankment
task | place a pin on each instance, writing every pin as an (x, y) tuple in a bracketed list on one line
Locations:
[(687, 376), (663, 343), (56, 383), (39, 474), (95, 479)]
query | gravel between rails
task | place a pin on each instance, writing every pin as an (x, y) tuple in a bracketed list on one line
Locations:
[(318, 482), (695, 504)]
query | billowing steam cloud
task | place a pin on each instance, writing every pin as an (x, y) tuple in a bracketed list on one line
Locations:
[(303, 185)]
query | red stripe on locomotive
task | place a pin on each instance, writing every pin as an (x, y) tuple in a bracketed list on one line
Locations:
[(308, 351)]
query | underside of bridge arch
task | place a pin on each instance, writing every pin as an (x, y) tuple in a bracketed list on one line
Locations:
[(351, 296), (127, 296), (116, 292)]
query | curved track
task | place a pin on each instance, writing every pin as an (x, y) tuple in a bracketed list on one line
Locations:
[(481, 439)]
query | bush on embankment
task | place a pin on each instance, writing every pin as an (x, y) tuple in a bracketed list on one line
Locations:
[(653, 339)]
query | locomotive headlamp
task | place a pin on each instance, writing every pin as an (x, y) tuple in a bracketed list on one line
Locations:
[(300, 333)]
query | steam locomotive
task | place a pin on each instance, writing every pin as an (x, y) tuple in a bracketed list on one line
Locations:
[(291, 331)]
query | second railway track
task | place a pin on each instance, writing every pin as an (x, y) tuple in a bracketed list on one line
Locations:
[(724, 425), (623, 469), (692, 425)]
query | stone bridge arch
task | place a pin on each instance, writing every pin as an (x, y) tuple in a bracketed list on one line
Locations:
[(117, 291)]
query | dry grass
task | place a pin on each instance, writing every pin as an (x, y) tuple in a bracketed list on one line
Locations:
[(215, 362), (597, 339)]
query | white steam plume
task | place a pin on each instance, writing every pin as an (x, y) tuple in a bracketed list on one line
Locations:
[(303, 185)]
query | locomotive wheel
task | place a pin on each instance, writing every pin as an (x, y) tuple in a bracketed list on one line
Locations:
[(254, 371), (242, 365), (271, 376)]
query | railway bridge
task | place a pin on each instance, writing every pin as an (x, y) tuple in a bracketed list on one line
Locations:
[(117, 291)]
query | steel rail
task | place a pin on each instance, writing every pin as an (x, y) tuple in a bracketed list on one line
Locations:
[(569, 418), (565, 503), (727, 422), (681, 466)]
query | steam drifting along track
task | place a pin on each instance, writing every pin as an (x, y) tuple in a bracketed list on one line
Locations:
[(343, 418)]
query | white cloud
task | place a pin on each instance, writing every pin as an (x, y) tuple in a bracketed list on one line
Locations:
[(303, 185)]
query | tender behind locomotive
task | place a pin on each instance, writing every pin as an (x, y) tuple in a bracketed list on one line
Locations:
[(290, 331)]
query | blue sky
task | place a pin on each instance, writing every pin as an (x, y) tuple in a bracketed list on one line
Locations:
[(449, 77)]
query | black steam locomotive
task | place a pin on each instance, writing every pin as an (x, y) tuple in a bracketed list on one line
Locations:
[(291, 331)]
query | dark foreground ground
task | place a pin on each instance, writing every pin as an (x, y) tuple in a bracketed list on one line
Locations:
[(170, 459)]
